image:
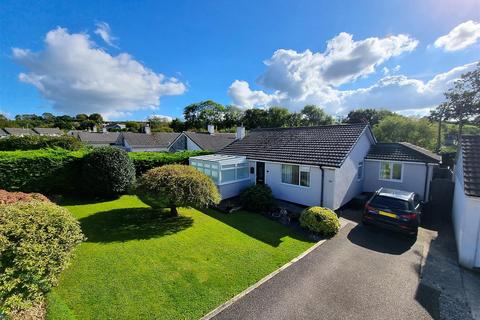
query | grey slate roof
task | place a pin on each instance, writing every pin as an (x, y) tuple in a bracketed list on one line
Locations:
[(471, 164), (211, 142), (402, 151), (320, 145), (20, 131), (48, 131), (3, 133), (98, 137), (154, 140)]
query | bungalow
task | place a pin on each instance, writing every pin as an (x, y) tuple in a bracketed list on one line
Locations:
[(3, 134), (53, 132), (211, 140), (466, 201), (153, 142), (322, 165), (20, 132), (96, 139)]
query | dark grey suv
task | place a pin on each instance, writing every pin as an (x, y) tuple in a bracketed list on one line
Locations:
[(394, 209)]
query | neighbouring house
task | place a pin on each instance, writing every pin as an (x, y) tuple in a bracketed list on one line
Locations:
[(115, 126), (96, 139), (152, 142), (321, 165), (210, 141), (20, 132), (3, 134), (466, 201), (53, 132)]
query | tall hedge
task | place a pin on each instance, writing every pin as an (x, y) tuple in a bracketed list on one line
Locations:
[(145, 161), (44, 171), (40, 142), (59, 171)]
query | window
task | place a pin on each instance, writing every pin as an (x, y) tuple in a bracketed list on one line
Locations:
[(390, 171), (360, 171), (296, 175)]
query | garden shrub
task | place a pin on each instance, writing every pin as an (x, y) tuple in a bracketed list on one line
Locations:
[(322, 221), (175, 185), (257, 198), (36, 243), (40, 142), (107, 171), (145, 161), (12, 197), (44, 171)]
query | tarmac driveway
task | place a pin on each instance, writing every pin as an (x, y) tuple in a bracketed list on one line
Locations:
[(362, 273)]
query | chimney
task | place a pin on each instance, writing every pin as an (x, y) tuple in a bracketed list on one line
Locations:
[(94, 129), (211, 129), (146, 129), (240, 133), (104, 130)]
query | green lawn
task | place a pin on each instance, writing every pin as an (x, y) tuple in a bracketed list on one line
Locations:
[(138, 264)]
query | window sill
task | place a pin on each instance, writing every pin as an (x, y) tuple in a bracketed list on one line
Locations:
[(295, 185)]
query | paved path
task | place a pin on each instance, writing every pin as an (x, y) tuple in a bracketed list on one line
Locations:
[(363, 273)]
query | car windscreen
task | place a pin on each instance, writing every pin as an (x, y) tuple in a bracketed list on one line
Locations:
[(382, 202)]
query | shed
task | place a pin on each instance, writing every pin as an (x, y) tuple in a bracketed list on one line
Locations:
[(230, 173)]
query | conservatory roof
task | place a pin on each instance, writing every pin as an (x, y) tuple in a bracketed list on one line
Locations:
[(220, 158)]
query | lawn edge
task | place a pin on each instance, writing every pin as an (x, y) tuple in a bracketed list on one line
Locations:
[(239, 296)]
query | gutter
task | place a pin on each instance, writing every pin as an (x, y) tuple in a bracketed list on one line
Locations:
[(321, 192)]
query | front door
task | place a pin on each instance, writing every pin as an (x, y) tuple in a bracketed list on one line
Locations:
[(260, 172)]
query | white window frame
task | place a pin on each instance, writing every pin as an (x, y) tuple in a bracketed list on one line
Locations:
[(300, 167), (361, 168), (391, 171)]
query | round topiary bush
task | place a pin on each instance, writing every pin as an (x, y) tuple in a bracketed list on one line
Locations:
[(107, 171), (257, 198), (320, 220), (173, 186), (36, 243)]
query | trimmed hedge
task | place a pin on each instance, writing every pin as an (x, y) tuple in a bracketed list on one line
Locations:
[(40, 142), (322, 221), (107, 171), (59, 171), (257, 198), (36, 243), (145, 161)]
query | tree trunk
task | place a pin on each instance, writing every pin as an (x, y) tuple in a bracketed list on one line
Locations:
[(173, 211)]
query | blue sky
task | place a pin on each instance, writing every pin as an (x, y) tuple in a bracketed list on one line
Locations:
[(381, 54)]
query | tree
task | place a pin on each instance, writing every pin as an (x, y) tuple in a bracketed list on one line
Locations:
[(132, 126), (463, 99), (277, 117), (199, 115), (96, 117), (177, 125), (173, 186), (315, 116), (397, 128), (81, 117), (233, 117), (372, 116), (255, 118)]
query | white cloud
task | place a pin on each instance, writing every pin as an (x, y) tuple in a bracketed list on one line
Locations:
[(460, 37), (78, 77), (103, 31)]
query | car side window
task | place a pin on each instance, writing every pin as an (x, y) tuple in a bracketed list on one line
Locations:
[(416, 201)]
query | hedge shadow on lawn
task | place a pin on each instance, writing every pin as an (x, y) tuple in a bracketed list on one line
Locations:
[(120, 225), (257, 226)]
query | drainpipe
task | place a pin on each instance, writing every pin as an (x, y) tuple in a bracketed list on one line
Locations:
[(426, 182), (321, 192)]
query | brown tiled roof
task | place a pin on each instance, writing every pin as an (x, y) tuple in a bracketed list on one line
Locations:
[(471, 164), (154, 140), (211, 142), (319, 145), (402, 151)]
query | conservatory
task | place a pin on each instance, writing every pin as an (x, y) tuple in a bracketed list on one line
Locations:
[(230, 173)]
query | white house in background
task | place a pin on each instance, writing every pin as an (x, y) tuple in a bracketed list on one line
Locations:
[(209, 141), (52, 132), (466, 202), (323, 165)]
